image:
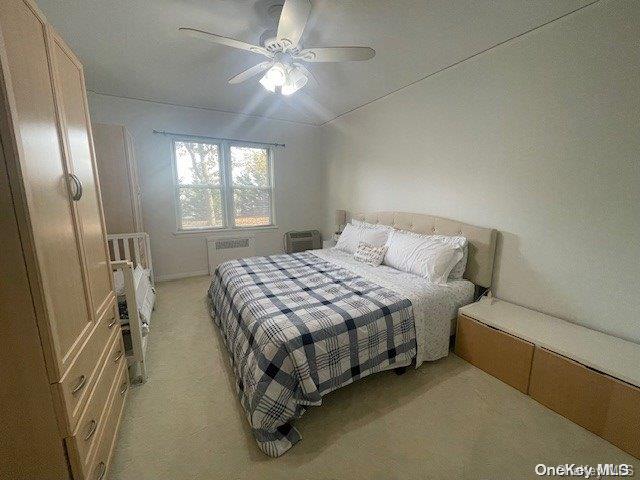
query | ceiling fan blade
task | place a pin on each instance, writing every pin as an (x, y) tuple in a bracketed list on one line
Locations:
[(229, 42), (307, 72), (293, 20), (336, 54), (250, 72)]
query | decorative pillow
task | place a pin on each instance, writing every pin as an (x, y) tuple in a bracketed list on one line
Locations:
[(360, 223), (367, 253), (351, 237), (430, 256)]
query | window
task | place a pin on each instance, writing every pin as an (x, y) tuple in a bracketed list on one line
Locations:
[(222, 185), (251, 184), (199, 185)]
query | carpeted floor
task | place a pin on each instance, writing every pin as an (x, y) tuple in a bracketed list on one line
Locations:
[(445, 420)]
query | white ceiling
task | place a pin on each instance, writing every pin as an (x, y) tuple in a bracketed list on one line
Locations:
[(133, 48)]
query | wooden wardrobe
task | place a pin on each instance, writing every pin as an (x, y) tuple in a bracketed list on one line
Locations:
[(64, 376), (121, 194)]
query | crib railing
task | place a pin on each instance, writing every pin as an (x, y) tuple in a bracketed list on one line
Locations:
[(133, 247)]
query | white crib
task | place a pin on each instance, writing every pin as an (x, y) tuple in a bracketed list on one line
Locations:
[(133, 278)]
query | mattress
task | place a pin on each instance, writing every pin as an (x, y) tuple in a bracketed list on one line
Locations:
[(144, 296), (118, 278), (300, 326), (435, 307)]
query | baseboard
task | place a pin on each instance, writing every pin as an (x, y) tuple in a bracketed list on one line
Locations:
[(177, 276)]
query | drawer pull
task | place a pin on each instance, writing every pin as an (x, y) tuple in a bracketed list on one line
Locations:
[(113, 322), (92, 429), (81, 381), (123, 388), (102, 468), (118, 356)]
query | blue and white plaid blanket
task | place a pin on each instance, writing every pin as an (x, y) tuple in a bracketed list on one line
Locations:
[(298, 327)]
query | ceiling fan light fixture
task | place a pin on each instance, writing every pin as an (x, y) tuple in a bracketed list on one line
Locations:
[(268, 84), (275, 78), (295, 81)]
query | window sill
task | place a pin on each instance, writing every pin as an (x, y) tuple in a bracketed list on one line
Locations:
[(223, 231)]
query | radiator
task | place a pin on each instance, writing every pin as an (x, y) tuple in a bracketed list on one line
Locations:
[(221, 249)]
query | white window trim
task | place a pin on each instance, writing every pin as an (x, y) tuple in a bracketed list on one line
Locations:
[(226, 186)]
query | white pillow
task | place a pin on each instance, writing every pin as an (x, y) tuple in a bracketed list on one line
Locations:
[(351, 237), (457, 272), (369, 254), (430, 256)]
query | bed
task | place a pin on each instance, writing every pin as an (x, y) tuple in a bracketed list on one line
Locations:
[(300, 326), (135, 291)]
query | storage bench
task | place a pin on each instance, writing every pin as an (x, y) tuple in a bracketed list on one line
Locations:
[(587, 376)]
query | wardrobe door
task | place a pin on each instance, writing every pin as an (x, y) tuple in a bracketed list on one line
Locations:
[(69, 86), (111, 157), (31, 446), (41, 182), (136, 193)]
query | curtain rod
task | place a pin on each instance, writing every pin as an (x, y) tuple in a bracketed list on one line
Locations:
[(162, 132)]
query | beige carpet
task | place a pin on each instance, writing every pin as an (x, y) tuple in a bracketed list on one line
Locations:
[(444, 420)]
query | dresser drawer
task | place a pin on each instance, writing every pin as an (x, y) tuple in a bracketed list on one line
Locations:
[(82, 444), (72, 392), (603, 405), (502, 355), (101, 461)]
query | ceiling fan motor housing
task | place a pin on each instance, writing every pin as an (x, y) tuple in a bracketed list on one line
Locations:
[(274, 44), (266, 36)]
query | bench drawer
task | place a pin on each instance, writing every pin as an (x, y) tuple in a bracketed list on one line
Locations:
[(72, 392), (502, 355), (82, 444), (601, 404)]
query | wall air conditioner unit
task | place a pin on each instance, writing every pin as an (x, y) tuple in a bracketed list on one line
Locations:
[(221, 249), (301, 241)]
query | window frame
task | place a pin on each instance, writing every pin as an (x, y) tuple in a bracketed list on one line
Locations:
[(226, 185)]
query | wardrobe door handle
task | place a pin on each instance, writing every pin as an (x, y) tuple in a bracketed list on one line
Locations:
[(77, 194), (92, 429), (102, 468), (81, 381), (118, 356)]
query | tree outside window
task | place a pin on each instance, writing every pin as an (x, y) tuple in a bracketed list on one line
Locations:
[(222, 184)]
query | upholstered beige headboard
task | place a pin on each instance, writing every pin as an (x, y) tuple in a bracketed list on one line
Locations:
[(482, 241)]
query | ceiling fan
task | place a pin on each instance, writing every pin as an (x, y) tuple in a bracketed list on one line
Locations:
[(285, 68)]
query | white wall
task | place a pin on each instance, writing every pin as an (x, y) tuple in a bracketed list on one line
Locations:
[(298, 174), (538, 138)]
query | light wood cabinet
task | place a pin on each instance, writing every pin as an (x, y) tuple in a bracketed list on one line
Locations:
[(25, 450), (52, 229), (58, 310), (121, 194)]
